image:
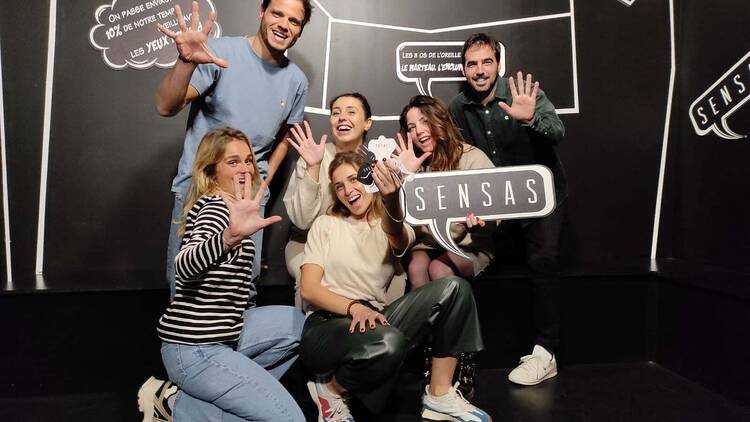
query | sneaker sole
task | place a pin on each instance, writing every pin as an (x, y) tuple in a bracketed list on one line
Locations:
[(524, 382), (437, 416), (145, 398)]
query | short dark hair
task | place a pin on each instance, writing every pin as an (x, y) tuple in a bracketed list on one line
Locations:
[(305, 3), (357, 95), (480, 38), (362, 100)]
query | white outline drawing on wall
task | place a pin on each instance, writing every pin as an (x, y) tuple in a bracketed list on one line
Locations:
[(427, 90), (721, 128), (118, 31), (323, 109)]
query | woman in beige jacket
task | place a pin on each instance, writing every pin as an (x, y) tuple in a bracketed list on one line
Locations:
[(308, 193)]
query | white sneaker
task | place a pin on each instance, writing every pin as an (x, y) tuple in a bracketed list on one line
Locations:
[(333, 408), (533, 370), (153, 400), (451, 406)]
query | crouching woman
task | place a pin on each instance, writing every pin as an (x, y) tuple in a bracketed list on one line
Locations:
[(352, 341)]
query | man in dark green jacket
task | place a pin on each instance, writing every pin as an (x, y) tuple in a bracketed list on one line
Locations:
[(514, 123)]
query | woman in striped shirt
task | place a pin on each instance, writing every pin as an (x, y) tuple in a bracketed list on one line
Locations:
[(223, 353)]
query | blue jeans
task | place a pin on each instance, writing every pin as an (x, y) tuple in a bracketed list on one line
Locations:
[(174, 241), (220, 383)]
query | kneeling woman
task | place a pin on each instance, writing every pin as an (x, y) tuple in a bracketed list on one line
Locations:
[(223, 353), (352, 341)]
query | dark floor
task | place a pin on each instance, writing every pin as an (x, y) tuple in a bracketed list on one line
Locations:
[(590, 393)]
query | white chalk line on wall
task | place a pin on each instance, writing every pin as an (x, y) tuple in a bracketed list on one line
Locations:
[(3, 155), (331, 20), (45, 136), (665, 140)]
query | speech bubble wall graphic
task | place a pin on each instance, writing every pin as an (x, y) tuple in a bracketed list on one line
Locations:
[(437, 199), (127, 36), (709, 113), (426, 62)]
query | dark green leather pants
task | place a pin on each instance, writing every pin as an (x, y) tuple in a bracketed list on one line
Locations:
[(366, 363)]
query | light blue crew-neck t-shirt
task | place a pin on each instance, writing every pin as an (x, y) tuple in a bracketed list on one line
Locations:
[(251, 95)]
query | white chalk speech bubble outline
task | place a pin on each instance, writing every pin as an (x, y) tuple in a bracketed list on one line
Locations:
[(447, 241), (142, 64), (418, 81), (724, 132)]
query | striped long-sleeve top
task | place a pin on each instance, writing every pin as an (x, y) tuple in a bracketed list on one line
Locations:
[(213, 288)]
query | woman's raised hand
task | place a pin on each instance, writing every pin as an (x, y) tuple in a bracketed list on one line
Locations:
[(304, 143), (243, 207), (406, 154), (387, 176), (192, 43)]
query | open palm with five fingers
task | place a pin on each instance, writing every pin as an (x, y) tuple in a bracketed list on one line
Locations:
[(192, 43), (524, 98), (243, 207), (406, 154), (304, 143)]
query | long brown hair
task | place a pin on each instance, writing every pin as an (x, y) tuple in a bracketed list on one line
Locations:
[(210, 153), (338, 208), (448, 141)]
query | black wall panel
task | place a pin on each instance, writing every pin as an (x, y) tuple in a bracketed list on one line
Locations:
[(112, 157), (707, 196), (23, 45)]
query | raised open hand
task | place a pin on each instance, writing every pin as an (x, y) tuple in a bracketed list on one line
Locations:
[(192, 43), (243, 207), (304, 143), (406, 155), (524, 98)]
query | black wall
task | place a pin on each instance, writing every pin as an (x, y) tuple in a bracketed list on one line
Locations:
[(112, 157), (705, 302)]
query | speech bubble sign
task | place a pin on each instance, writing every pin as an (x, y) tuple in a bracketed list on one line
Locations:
[(426, 62), (437, 199), (709, 113), (126, 31)]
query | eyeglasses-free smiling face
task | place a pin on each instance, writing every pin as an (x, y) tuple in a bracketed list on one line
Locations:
[(281, 24), (350, 192), (420, 130), (237, 159), (480, 68), (348, 120)]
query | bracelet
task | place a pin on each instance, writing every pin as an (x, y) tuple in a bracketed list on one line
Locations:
[(349, 307), (403, 213), (403, 216)]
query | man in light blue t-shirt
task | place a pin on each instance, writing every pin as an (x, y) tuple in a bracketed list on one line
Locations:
[(242, 82)]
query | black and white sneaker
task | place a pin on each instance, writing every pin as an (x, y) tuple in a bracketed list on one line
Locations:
[(153, 397)]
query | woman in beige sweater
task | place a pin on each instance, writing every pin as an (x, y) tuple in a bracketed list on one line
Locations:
[(429, 127), (308, 194)]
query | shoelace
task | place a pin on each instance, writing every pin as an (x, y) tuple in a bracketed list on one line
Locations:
[(339, 411), (464, 404)]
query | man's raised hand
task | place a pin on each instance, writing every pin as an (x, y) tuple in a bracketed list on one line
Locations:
[(192, 43), (524, 98)]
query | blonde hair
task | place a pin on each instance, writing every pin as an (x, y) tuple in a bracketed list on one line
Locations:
[(210, 153), (375, 210)]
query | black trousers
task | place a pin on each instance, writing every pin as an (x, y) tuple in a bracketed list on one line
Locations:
[(542, 238), (366, 363)]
